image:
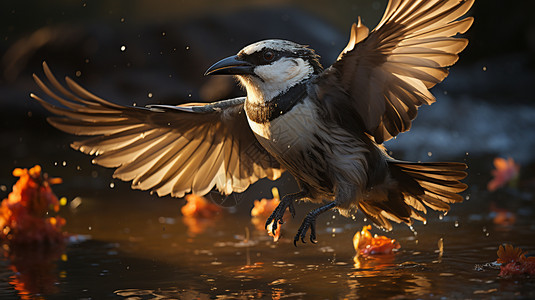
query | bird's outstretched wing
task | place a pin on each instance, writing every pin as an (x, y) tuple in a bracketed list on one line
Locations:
[(169, 149), (386, 74)]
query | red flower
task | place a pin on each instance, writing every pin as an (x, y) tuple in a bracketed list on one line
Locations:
[(514, 262), (365, 244), (506, 171)]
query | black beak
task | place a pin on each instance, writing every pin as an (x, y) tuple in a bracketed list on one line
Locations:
[(230, 66)]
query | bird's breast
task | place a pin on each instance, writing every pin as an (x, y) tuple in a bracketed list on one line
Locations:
[(290, 131)]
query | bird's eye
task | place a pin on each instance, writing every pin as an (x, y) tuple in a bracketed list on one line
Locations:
[(269, 55)]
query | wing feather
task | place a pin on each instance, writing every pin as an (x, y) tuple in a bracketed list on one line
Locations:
[(387, 74), (169, 149)]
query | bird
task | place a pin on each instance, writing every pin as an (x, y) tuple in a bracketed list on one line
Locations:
[(324, 126)]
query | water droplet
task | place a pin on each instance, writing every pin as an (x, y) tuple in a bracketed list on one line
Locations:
[(112, 185), (187, 47), (149, 95), (89, 228), (64, 163), (484, 68), (429, 153), (456, 224), (78, 73), (163, 33), (122, 20), (440, 217), (467, 197), (123, 48)]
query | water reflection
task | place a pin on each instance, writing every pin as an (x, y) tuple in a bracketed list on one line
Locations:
[(372, 263), (197, 226), (171, 293), (395, 279), (34, 269)]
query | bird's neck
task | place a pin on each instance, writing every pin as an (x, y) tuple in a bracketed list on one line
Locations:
[(282, 103)]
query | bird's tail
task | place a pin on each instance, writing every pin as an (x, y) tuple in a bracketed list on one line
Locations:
[(420, 185)]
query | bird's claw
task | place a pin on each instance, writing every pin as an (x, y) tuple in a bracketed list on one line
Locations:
[(308, 222), (278, 214)]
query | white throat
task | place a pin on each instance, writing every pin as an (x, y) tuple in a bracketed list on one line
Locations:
[(275, 78)]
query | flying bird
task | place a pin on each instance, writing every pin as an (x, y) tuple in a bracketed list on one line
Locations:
[(325, 127)]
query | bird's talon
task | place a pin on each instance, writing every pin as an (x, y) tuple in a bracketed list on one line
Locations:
[(292, 209)]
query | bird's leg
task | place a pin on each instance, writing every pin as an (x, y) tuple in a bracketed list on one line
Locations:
[(310, 222), (278, 213)]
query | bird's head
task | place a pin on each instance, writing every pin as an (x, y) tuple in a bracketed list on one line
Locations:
[(269, 68)]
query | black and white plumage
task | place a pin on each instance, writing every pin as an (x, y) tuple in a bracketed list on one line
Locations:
[(325, 127)]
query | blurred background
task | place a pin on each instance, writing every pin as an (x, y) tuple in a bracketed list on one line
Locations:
[(137, 52)]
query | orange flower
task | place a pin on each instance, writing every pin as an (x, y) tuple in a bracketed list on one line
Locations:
[(199, 213), (24, 214), (366, 244), (506, 171), (200, 207), (514, 261), (263, 208)]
